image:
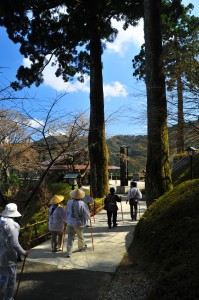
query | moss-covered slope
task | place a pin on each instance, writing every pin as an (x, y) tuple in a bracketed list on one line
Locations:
[(169, 233)]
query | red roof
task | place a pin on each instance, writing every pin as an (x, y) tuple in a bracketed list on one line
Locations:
[(78, 167)]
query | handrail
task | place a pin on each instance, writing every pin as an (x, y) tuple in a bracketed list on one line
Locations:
[(181, 163), (31, 231), (31, 225)]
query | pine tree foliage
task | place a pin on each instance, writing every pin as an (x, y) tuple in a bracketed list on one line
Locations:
[(180, 57), (70, 35)]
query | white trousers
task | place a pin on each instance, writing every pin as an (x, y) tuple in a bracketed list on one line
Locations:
[(7, 282), (72, 230)]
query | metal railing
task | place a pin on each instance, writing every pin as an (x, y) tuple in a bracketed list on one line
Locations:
[(32, 234), (182, 163)]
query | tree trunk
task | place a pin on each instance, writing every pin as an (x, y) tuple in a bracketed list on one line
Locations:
[(97, 138), (178, 73), (158, 175), (180, 128)]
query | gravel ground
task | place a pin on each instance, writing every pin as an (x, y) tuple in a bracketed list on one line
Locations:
[(132, 280)]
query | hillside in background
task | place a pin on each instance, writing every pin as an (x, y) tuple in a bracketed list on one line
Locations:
[(137, 151), (137, 146), (191, 136)]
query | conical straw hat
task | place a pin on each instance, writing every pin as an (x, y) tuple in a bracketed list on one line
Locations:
[(56, 199), (77, 194)]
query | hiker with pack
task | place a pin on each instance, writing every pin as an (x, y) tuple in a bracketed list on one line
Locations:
[(133, 196), (57, 223), (87, 199), (9, 248), (110, 205), (77, 214)]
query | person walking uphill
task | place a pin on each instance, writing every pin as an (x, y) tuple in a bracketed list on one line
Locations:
[(77, 214), (57, 221), (88, 200), (133, 196), (9, 248), (110, 204)]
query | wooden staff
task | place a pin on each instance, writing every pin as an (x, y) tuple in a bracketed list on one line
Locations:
[(63, 237), (92, 207), (92, 235), (93, 211), (19, 281), (22, 268)]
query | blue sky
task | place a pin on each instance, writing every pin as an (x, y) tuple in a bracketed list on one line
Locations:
[(125, 98)]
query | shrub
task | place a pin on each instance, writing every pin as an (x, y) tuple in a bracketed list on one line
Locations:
[(169, 230), (60, 188)]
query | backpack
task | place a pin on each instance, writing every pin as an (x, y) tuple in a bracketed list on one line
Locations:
[(110, 203), (136, 194), (7, 252), (4, 246)]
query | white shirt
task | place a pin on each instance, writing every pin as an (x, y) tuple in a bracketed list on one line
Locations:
[(57, 218), (88, 199), (134, 193), (8, 255), (75, 210)]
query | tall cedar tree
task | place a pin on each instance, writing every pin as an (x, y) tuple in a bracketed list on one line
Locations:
[(180, 47), (68, 34), (158, 176)]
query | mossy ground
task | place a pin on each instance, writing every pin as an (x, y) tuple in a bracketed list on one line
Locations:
[(168, 235)]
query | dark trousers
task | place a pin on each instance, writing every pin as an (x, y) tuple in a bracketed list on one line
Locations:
[(109, 215), (134, 208)]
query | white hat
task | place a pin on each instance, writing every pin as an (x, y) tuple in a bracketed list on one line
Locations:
[(84, 188), (56, 199), (11, 211), (77, 194)]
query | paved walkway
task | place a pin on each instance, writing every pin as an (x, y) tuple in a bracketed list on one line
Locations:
[(84, 275)]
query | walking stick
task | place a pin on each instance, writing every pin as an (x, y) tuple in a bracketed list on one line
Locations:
[(121, 209), (92, 235), (19, 281), (22, 268), (63, 237), (92, 211), (93, 208)]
